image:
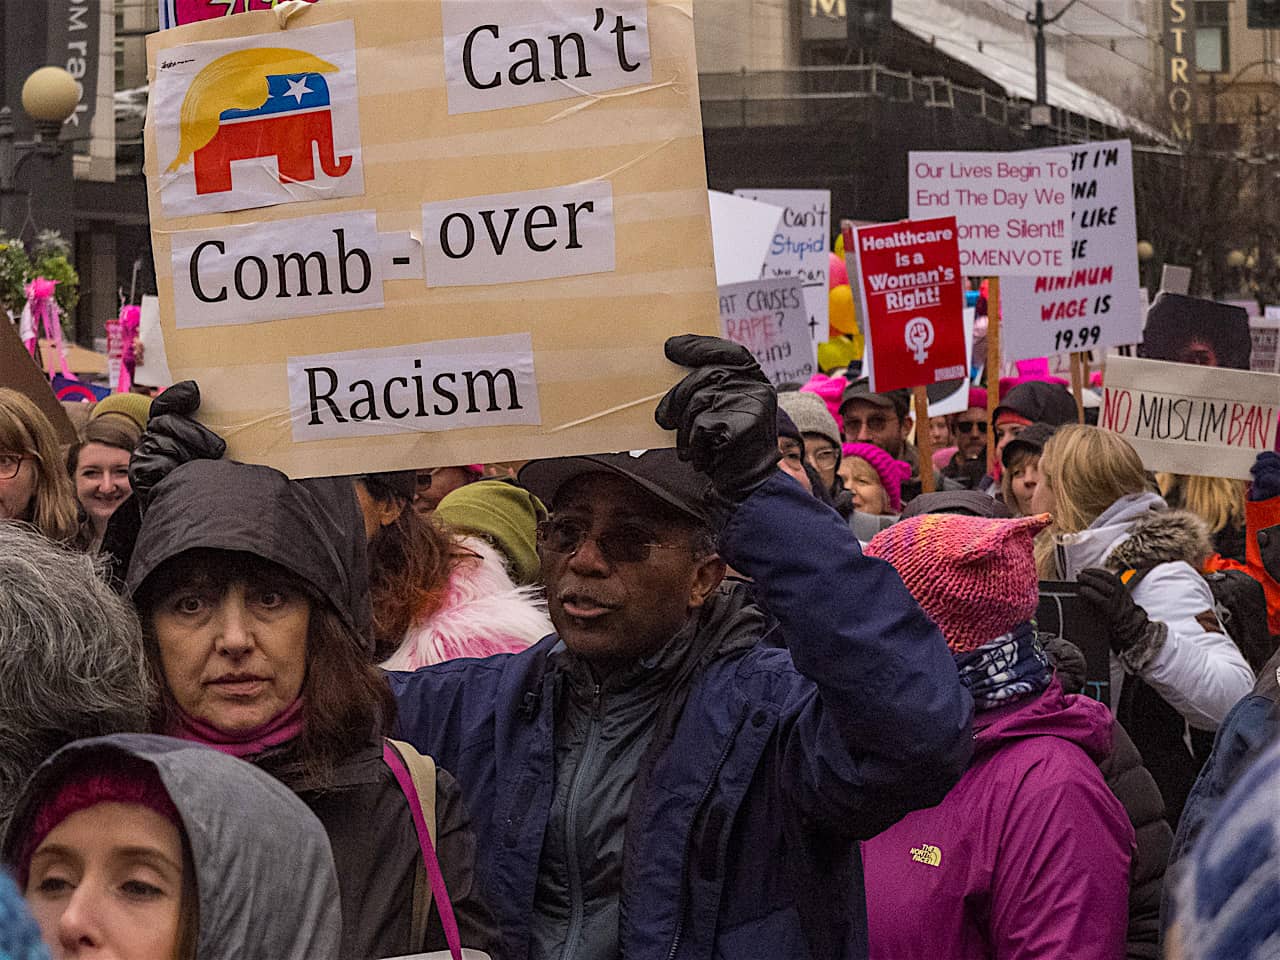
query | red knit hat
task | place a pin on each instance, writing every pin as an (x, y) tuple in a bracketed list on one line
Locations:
[(117, 779), (974, 577)]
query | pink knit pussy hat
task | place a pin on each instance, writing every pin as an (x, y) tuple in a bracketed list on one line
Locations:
[(975, 578), (830, 389), (892, 472)]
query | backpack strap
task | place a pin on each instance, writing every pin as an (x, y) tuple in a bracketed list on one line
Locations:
[(416, 775)]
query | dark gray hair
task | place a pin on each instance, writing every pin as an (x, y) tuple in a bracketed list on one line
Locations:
[(71, 657)]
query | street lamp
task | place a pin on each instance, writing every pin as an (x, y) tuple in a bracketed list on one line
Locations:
[(1236, 259), (49, 97), (1145, 251)]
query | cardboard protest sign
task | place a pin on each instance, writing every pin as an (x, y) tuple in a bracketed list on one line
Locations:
[(1095, 305), (19, 372), (768, 317), (174, 13), (911, 299), (800, 247), (1191, 330), (742, 231), (1013, 212), (1063, 613), (415, 274), (1205, 421)]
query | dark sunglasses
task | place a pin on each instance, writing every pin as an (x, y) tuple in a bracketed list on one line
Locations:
[(968, 426), (619, 545)]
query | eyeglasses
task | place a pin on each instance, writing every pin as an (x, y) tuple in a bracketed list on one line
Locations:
[(11, 463), (876, 423), (824, 458), (968, 426), (627, 544)]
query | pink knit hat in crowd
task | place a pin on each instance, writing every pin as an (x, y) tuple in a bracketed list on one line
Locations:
[(892, 472), (830, 389), (974, 577)]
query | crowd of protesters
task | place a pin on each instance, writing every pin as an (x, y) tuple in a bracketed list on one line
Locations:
[(759, 695)]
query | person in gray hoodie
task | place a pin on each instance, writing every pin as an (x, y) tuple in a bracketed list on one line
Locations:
[(142, 847)]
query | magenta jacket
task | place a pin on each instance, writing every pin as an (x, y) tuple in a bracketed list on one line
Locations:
[(1026, 857)]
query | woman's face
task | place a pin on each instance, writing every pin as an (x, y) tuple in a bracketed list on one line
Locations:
[(861, 479), (19, 477), (102, 480), (939, 432), (106, 884), (1042, 497), (1023, 483), (233, 655)]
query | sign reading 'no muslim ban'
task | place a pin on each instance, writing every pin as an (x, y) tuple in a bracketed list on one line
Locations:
[(1185, 418), (911, 293), (402, 233), (1013, 213)]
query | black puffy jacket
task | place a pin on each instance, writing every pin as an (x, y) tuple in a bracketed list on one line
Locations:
[(1134, 787)]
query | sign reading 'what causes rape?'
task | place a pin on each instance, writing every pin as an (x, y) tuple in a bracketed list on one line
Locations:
[(389, 226)]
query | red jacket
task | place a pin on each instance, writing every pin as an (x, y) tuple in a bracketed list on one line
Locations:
[(1258, 515)]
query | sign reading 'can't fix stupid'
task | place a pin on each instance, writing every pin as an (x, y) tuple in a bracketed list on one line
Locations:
[(411, 232)]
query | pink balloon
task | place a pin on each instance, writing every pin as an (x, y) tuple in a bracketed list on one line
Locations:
[(839, 274)]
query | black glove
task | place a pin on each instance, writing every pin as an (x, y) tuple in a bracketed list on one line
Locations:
[(172, 438), (725, 414), (1134, 637)]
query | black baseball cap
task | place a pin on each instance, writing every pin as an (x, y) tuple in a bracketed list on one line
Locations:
[(659, 472), (1031, 438), (897, 400)]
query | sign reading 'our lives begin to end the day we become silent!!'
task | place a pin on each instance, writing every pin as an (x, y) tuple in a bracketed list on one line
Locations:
[(1013, 213), (405, 233)]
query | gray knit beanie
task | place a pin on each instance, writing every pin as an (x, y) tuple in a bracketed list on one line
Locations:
[(810, 414)]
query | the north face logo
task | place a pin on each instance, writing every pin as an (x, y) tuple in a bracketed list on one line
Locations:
[(927, 853)]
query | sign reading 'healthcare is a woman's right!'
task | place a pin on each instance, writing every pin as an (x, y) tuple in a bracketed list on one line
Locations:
[(912, 298)]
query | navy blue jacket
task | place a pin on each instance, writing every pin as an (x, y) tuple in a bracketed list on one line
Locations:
[(742, 841)]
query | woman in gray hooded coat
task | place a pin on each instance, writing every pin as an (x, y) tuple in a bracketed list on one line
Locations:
[(146, 847)]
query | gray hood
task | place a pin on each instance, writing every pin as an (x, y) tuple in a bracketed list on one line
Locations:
[(1091, 547), (267, 885)]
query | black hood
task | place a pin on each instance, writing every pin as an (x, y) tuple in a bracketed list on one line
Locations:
[(1040, 401), (312, 528)]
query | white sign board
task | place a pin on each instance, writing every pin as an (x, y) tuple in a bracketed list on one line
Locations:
[(768, 317), (1095, 305), (1183, 418), (800, 247), (1265, 334), (153, 369), (1013, 212), (742, 231)]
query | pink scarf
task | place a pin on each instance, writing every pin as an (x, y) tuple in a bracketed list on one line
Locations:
[(281, 728)]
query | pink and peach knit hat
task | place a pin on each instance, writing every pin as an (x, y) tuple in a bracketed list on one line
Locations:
[(892, 472), (974, 577)]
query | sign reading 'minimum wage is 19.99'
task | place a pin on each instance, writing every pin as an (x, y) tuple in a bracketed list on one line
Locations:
[(404, 233)]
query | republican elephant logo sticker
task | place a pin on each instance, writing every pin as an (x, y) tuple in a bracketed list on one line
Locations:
[(251, 123)]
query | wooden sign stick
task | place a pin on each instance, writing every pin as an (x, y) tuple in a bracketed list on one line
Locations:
[(1077, 365), (924, 440)]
